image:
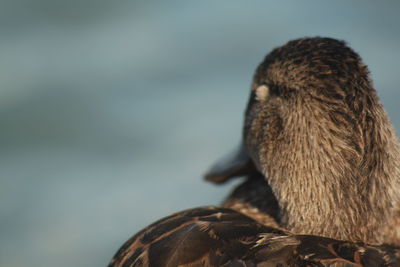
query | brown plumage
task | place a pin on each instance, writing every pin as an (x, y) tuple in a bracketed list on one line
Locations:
[(321, 159), (211, 236)]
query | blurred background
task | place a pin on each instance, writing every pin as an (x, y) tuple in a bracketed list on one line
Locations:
[(111, 111)]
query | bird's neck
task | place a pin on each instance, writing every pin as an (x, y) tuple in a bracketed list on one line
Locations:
[(328, 186)]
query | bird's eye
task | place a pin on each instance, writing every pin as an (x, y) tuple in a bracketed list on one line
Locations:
[(262, 92)]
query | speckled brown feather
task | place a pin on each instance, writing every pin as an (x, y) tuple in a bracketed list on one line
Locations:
[(211, 236), (254, 198)]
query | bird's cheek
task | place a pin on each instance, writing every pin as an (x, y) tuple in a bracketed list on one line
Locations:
[(262, 136), (255, 138)]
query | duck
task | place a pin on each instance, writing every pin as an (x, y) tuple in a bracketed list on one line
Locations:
[(321, 161)]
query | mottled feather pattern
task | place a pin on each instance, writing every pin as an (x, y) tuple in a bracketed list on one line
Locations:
[(191, 236), (211, 236)]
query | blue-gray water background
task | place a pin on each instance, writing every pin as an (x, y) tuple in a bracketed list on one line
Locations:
[(111, 111)]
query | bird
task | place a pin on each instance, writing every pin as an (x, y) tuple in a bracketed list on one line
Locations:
[(321, 160)]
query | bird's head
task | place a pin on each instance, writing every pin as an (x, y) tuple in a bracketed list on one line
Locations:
[(314, 127), (310, 98)]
